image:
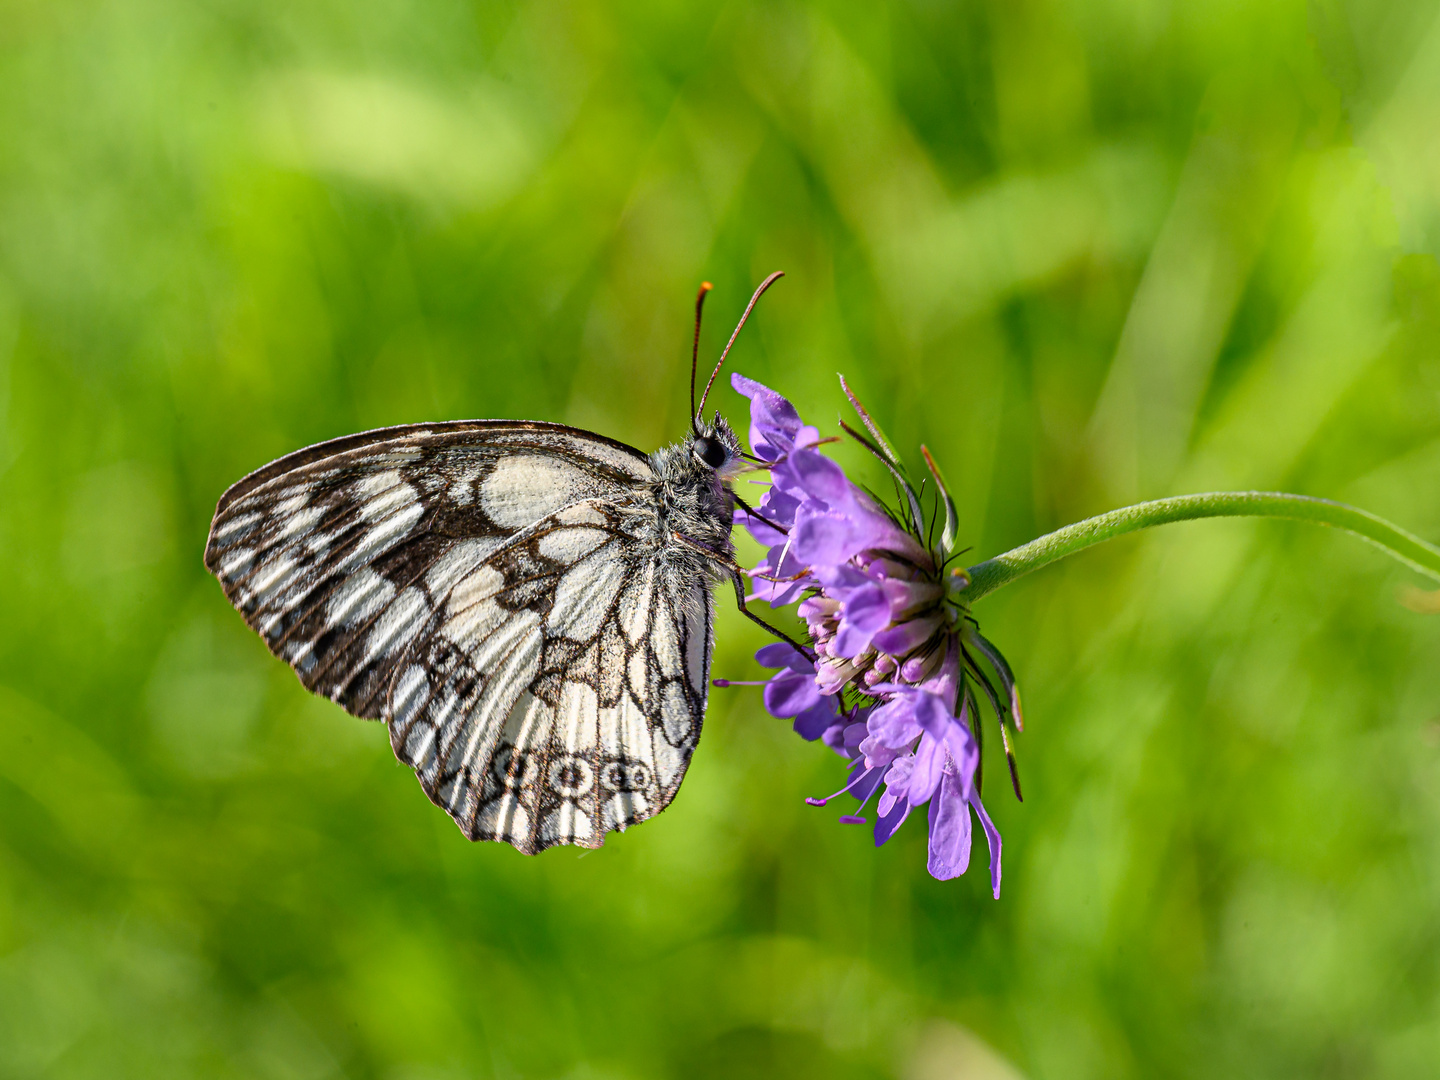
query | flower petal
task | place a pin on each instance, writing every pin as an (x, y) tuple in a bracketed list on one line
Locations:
[(822, 478), (850, 642), (820, 537), (992, 838), (834, 737), (950, 831), (763, 533), (930, 713), (964, 754), (929, 768), (886, 824), (840, 581), (774, 423), (781, 654), (789, 694), (947, 734), (865, 611), (813, 722), (867, 608), (779, 507), (781, 593), (904, 594), (900, 639), (863, 781), (894, 724)]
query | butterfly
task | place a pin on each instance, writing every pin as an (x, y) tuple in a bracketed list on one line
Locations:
[(527, 606)]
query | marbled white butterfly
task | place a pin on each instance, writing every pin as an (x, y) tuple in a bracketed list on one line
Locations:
[(526, 605)]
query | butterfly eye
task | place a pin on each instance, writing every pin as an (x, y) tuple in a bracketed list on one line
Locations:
[(710, 452)]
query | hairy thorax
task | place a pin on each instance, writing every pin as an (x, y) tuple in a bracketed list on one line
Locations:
[(690, 499)]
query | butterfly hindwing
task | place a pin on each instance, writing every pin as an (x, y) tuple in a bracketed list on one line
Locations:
[(557, 692), (483, 587)]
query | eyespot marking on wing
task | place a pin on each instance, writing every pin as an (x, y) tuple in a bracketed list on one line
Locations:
[(571, 776), (400, 579)]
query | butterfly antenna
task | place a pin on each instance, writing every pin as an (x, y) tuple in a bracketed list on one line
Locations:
[(748, 307), (705, 287)]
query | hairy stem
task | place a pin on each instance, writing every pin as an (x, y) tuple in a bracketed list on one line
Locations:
[(990, 575)]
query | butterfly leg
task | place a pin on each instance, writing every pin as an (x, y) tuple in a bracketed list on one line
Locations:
[(735, 577), (757, 515), (806, 652)]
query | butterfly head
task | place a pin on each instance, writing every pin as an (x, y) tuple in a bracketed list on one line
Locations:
[(716, 447)]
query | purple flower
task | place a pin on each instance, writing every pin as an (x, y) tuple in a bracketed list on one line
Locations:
[(950, 833), (792, 694), (873, 596), (775, 426), (892, 684)]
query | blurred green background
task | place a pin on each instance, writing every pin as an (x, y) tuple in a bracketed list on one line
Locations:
[(1087, 250)]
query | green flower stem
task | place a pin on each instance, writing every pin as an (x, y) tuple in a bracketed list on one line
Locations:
[(990, 575)]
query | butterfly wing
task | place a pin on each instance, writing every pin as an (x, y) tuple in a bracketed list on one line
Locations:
[(558, 688), (454, 579)]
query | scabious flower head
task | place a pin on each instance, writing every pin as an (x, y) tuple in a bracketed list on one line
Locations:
[(889, 679)]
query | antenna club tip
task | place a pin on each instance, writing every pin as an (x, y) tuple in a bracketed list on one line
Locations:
[(705, 286)]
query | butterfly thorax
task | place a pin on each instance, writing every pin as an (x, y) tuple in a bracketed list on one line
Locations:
[(691, 496)]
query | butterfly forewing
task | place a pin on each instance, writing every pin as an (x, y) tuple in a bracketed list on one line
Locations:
[(487, 589)]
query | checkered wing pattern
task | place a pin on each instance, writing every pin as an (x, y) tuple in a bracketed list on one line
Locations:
[(493, 592)]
